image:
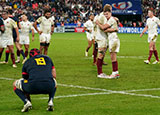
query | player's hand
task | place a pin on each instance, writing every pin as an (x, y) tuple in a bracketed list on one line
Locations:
[(17, 40), (32, 39), (39, 32), (51, 33), (97, 22), (141, 35)]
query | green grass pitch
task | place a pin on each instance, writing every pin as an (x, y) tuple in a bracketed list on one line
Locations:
[(79, 90)]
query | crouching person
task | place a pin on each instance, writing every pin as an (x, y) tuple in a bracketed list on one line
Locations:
[(39, 77)]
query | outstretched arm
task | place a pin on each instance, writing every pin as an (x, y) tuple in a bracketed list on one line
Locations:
[(145, 29)]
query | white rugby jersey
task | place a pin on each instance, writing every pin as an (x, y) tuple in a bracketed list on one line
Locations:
[(25, 28), (152, 24), (89, 26), (100, 34), (9, 25), (45, 24), (113, 23)]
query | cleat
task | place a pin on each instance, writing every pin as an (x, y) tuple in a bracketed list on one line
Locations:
[(147, 61), (17, 61), (86, 54), (3, 62), (27, 107), (50, 106), (94, 64), (112, 76), (92, 56), (14, 66), (24, 60), (102, 75), (156, 62)]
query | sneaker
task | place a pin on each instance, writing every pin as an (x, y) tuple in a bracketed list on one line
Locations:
[(105, 63), (3, 62), (102, 75), (147, 61), (112, 76), (94, 64), (17, 61), (156, 62), (27, 107), (50, 106), (86, 54), (14, 66), (24, 60)]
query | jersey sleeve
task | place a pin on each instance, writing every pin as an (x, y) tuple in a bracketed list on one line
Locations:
[(158, 21), (52, 22), (111, 21), (1, 23), (31, 26), (147, 22), (85, 24), (39, 20), (25, 75), (13, 23)]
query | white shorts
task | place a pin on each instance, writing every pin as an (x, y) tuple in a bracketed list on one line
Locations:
[(152, 38), (114, 45), (45, 38), (4, 43), (89, 37), (24, 40), (102, 43)]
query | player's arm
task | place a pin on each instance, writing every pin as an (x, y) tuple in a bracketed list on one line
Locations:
[(25, 75), (52, 29), (19, 25), (54, 73), (145, 29), (32, 30), (35, 26), (2, 28), (103, 27), (110, 30), (16, 28)]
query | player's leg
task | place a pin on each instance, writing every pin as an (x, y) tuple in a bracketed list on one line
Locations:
[(1, 51), (20, 49), (46, 48), (42, 45), (18, 54), (11, 49), (26, 50), (95, 50), (88, 47), (51, 96), (7, 55), (155, 54), (17, 86), (150, 52)]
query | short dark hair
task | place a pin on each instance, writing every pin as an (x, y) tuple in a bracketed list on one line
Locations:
[(107, 7), (46, 11), (10, 11)]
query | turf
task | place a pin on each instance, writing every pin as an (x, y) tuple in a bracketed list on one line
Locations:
[(73, 68)]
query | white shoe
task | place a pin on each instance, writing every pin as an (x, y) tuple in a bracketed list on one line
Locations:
[(50, 106), (17, 61), (156, 62), (92, 56), (113, 76), (24, 60), (102, 75), (147, 61), (14, 66), (3, 62), (86, 54), (27, 107)]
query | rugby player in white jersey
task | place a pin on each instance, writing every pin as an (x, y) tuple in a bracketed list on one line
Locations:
[(7, 38), (25, 27), (46, 30), (2, 29), (88, 27), (151, 25), (111, 27)]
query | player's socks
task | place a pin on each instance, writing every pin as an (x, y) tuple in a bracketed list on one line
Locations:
[(21, 51), (7, 55), (99, 66), (156, 55), (150, 54), (26, 53), (18, 53), (51, 96), (21, 95), (13, 58), (1, 53), (95, 56), (115, 66)]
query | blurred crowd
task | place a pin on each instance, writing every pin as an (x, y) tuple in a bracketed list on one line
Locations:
[(71, 11)]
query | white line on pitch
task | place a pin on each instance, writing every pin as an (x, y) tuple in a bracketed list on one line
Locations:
[(78, 95), (123, 57)]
